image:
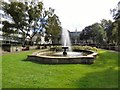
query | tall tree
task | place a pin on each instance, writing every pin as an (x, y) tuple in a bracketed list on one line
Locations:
[(33, 14), (14, 10), (98, 33), (94, 32), (116, 24), (107, 26), (24, 16), (53, 27), (86, 34)]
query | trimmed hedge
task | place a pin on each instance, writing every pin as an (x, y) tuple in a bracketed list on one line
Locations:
[(74, 48)]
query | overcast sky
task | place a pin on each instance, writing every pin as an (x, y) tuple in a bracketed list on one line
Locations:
[(80, 13)]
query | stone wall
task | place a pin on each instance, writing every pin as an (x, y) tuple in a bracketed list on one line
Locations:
[(50, 60), (6, 47), (19, 48), (15, 48)]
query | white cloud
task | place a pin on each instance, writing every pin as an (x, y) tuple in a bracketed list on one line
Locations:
[(80, 13)]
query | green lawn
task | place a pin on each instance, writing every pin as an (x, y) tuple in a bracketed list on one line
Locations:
[(18, 73)]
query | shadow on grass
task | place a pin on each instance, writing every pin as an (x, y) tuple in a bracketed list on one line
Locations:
[(37, 62), (25, 60), (49, 63), (100, 79)]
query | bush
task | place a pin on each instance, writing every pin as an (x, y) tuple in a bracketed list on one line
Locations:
[(74, 48), (84, 48), (56, 48)]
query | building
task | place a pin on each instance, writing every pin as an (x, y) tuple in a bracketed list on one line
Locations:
[(74, 37), (39, 38), (13, 38)]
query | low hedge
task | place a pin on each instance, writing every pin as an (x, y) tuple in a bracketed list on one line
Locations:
[(74, 48)]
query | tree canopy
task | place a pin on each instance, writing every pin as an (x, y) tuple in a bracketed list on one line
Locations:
[(105, 32), (30, 17), (53, 27)]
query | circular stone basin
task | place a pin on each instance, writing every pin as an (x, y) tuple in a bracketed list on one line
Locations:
[(69, 54), (50, 57)]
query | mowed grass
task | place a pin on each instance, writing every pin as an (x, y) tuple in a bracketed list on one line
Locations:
[(18, 73)]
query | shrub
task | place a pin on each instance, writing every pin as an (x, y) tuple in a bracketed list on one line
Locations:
[(74, 48)]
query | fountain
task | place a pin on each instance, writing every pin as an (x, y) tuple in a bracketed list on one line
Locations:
[(67, 56), (64, 50), (66, 44)]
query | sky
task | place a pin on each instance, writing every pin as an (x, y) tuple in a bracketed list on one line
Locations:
[(77, 14)]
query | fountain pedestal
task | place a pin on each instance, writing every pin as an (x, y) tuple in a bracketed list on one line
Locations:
[(64, 50)]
